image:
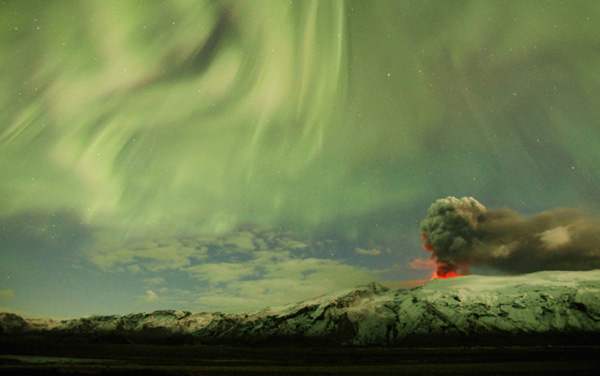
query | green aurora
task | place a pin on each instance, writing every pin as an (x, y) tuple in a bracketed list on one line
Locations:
[(212, 155)]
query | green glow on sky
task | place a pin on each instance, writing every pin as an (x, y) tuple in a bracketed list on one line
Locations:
[(338, 120)]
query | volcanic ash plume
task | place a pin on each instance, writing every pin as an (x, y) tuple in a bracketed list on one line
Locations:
[(463, 232)]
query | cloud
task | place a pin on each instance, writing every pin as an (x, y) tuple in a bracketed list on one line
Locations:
[(288, 243), (240, 241), (420, 264), (220, 272), (462, 232), (275, 277), (153, 256), (157, 255), (238, 271), (368, 252), (7, 293), (151, 296), (556, 237), (154, 281), (134, 269)]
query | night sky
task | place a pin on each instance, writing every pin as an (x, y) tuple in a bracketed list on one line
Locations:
[(233, 155)]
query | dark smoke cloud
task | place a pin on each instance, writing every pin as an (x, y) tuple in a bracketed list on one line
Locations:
[(463, 232)]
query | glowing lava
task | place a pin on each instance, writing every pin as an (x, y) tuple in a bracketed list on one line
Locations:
[(440, 273), (443, 269)]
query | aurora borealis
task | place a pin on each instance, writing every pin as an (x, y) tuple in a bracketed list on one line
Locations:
[(229, 155)]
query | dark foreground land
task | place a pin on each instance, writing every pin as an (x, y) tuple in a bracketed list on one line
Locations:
[(37, 357)]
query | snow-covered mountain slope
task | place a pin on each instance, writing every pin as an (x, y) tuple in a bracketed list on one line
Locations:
[(539, 304)]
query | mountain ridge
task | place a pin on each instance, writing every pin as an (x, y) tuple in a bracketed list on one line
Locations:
[(464, 309)]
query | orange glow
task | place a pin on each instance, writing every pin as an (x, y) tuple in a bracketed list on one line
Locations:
[(445, 274), (443, 269)]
